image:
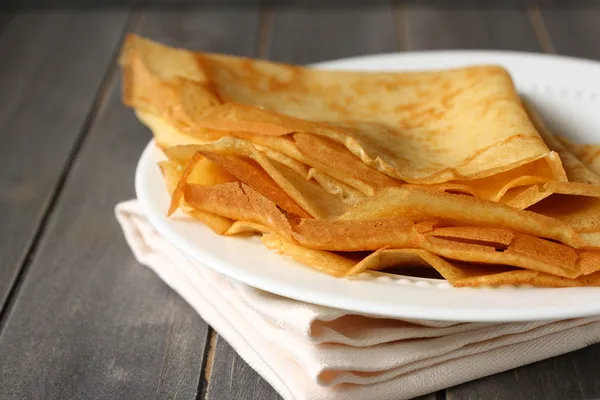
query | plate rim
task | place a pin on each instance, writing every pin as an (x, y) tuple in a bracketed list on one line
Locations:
[(458, 53), (163, 226)]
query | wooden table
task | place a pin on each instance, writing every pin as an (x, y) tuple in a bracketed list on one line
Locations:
[(80, 318)]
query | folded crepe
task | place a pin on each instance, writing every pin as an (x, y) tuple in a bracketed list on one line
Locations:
[(467, 240), (581, 180), (417, 127), (429, 225), (589, 154), (346, 171)]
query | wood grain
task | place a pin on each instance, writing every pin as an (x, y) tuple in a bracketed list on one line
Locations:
[(501, 29), (232, 378), (89, 321), (104, 323), (574, 32), (49, 83), (552, 379), (225, 30), (304, 36), (5, 17)]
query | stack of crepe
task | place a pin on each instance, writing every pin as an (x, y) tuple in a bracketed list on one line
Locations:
[(350, 171)]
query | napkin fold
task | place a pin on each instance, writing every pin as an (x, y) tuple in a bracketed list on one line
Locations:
[(307, 351)]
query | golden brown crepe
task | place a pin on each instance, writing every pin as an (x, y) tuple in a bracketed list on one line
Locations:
[(575, 203), (354, 171), (581, 181), (278, 182), (588, 154), (197, 172), (475, 244), (419, 127), (428, 221), (456, 273)]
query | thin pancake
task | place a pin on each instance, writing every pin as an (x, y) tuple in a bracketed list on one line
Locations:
[(456, 273), (173, 175), (575, 169), (276, 178), (589, 154), (582, 181), (404, 124), (463, 210), (336, 161), (465, 244), (275, 148), (239, 202)]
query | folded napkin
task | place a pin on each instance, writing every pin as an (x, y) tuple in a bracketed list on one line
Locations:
[(307, 351)]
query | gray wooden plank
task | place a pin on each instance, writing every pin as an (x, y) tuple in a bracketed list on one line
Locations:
[(585, 365), (4, 19), (574, 32), (107, 326), (232, 378), (304, 36), (432, 396), (89, 321), (552, 379), (502, 29), (555, 378), (49, 83), (226, 30)]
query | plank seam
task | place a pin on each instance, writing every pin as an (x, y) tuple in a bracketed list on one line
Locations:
[(541, 30), (441, 395), (577, 376), (265, 24), (63, 177), (4, 24), (167, 343), (400, 22), (207, 363)]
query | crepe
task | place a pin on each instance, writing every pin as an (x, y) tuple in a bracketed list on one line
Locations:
[(352, 171), (575, 203), (200, 172), (588, 154), (525, 191), (406, 125), (285, 186), (578, 204), (413, 230), (463, 229), (457, 274)]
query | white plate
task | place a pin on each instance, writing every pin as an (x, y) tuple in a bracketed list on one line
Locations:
[(566, 92)]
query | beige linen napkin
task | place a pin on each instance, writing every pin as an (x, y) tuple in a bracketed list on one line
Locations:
[(307, 351)]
